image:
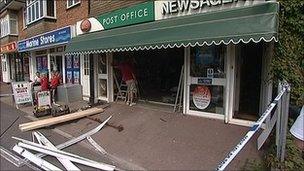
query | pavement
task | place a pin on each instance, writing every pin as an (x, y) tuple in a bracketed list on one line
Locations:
[(156, 139)]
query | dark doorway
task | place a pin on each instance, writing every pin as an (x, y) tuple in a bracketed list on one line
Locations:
[(157, 72), (249, 75)]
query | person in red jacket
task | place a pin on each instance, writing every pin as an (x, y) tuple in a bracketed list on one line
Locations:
[(44, 82), (55, 81)]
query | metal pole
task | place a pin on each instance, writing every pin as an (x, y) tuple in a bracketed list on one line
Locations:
[(284, 123), (278, 124), (178, 89)]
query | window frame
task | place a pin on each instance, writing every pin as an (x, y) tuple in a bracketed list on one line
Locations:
[(7, 18), (34, 6), (73, 3)]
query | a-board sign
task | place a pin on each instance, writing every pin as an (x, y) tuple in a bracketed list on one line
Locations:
[(22, 92), (44, 98)]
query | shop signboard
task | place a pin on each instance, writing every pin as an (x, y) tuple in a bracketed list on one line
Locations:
[(174, 8), (56, 37), (7, 48), (22, 92), (136, 14), (44, 98), (201, 97)]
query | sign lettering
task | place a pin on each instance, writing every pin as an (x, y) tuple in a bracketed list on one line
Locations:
[(127, 16), (59, 36)]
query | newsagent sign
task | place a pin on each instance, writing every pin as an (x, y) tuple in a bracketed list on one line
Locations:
[(56, 37), (174, 8)]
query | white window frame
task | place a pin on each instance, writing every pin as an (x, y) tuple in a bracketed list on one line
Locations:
[(31, 6), (74, 3), (6, 29)]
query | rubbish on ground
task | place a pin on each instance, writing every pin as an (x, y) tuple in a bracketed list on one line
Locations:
[(44, 141), (97, 146), (119, 127), (36, 160), (58, 153), (79, 138), (60, 119)]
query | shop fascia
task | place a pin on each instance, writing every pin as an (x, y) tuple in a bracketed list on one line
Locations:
[(53, 38), (170, 7)]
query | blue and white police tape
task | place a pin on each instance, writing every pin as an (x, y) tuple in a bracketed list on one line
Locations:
[(224, 163)]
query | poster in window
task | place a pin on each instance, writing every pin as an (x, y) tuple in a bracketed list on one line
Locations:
[(76, 77), (69, 62), (45, 62), (39, 64), (201, 97), (69, 77), (76, 62)]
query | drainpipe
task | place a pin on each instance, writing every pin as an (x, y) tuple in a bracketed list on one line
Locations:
[(92, 90)]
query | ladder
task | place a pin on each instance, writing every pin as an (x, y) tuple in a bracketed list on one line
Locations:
[(122, 89)]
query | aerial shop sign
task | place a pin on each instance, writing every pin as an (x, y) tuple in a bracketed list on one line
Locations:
[(52, 38)]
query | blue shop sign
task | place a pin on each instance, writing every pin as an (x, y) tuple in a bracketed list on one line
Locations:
[(56, 37)]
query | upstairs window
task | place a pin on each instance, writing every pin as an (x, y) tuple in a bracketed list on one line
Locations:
[(71, 3), (38, 9), (9, 25)]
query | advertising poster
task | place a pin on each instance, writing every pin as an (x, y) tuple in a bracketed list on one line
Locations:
[(76, 77), (69, 76), (44, 63), (76, 62), (39, 63), (201, 97), (44, 98), (68, 62), (22, 92)]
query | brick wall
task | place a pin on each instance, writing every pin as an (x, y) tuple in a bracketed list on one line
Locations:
[(98, 7), (64, 17)]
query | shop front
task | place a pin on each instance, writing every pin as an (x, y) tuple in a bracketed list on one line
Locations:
[(46, 54), (15, 66), (222, 50)]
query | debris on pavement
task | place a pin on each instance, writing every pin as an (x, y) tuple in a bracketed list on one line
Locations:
[(45, 147), (59, 119)]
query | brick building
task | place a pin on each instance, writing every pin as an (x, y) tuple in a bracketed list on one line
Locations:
[(11, 61), (42, 28)]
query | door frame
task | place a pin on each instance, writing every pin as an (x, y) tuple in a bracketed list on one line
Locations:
[(82, 76), (266, 88), (108, 77), (218, 81)]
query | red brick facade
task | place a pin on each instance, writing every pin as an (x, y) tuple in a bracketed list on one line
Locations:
[(104, 6), (64, 17)]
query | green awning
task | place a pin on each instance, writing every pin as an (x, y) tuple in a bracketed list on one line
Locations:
[(244, 24)]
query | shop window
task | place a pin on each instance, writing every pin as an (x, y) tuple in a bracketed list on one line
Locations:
[(72, 69), (38, 9), (9, 25), (208, 78), (71, 3), (208, 61), (4, 66), (42, 64)]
